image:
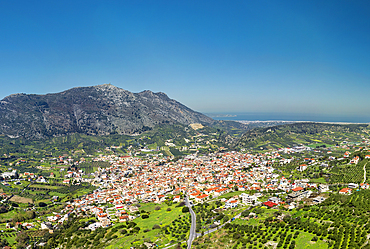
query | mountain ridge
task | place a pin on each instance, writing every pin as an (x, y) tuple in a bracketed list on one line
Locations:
[(94, 110)]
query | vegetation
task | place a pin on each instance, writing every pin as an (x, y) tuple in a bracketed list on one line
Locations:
[(301, 133)]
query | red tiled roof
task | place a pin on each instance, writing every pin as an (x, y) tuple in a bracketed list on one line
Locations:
[(269, 204), (297, 189)]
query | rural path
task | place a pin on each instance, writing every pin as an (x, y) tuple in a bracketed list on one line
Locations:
[(365, 173)]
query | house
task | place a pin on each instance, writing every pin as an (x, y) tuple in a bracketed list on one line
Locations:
[(41, 179), (297, 189), (323, 188), (28, 225), (46, 225), (269, 204), (133, 209), (345, 191), (53, 218), (248, 199), (220, 191), (9, 175), (176, 198), (274, 199), (94, 226), (298, 195), (355, 160), (318, 199), (123, 218), (364, 185), (201, 198), (232, 203), (105, 223), (302, 167), (353, 185)]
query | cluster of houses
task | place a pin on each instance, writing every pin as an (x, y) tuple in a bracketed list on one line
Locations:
[(131, 180)]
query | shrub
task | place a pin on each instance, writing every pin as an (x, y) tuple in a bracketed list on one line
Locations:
[(157, 208), (168, 209), (181, 204), (145, 216), (156, 226), (131, 224)]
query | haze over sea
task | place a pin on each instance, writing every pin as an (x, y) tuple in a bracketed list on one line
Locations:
[(288, 117)]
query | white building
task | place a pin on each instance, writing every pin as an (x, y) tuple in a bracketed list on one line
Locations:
[(248, 199), (232, 203)]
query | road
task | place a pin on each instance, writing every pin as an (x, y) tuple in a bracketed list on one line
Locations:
[(193, 233)]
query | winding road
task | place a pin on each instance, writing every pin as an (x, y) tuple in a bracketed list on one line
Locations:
[(193, 233)]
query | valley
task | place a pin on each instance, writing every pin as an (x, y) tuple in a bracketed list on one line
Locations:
[(121, 191)]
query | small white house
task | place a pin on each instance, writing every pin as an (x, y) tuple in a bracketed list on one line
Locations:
[(232, 203), (94, 226)]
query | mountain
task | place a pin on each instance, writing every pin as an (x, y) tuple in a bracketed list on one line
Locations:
[(96, 110)]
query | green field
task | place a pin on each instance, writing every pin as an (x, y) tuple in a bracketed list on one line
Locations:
[(156, 217), (304, 242)]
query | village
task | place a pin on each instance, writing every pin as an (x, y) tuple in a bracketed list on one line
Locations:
[(235, 181), (133, 180)]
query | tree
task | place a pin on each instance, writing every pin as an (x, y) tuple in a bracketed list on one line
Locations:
[(42, 204), (225, 219), (185, 209)]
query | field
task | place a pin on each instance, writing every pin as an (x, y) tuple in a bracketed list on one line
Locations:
[(304, 242), (8, 215), (20, 199), (348, 173)]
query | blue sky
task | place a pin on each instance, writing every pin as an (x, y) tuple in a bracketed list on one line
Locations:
[(310, 57)]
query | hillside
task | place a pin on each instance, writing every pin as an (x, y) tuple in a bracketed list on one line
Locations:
[(301, 133), (97, 110)]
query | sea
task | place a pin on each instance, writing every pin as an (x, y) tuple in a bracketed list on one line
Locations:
[(289, 117)]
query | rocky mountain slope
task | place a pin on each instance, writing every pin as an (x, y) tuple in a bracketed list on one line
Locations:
[(97, 110)]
